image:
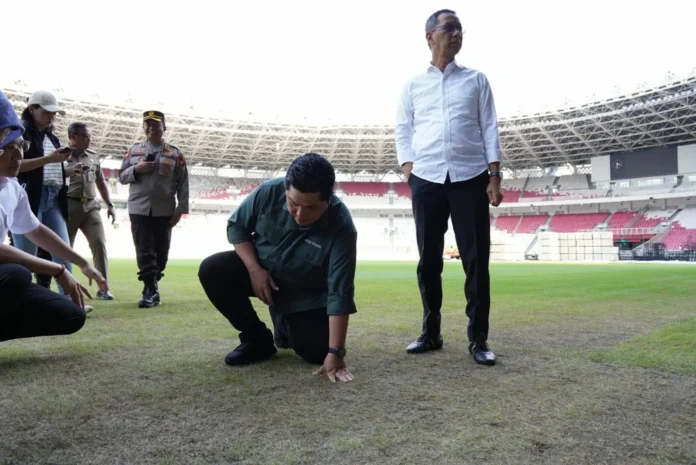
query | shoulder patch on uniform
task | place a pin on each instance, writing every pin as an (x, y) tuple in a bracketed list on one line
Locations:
[(128, 154), (182, 160)]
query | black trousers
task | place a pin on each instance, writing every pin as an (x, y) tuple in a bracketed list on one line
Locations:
[(30, 310), (467, 203), (227, 284), (42, 279), (152, 237)]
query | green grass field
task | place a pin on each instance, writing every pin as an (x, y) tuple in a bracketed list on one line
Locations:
[(597, 365)]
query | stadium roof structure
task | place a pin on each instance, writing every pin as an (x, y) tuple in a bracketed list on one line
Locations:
[(658, 116)]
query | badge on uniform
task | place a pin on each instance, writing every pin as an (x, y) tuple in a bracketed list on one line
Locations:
[(167, 170)]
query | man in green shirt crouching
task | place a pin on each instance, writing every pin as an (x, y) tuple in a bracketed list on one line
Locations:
[(294, 249)]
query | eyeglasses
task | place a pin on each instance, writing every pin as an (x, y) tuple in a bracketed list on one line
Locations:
[(13, 147), (450, 28), (88, 137)]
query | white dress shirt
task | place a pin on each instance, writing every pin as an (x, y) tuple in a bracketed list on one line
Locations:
[(15, 212), (446, 124)]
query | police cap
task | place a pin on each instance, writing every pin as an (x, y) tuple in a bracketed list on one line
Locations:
[(153, 115)]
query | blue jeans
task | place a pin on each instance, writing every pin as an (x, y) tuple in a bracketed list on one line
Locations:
[(50, 216)]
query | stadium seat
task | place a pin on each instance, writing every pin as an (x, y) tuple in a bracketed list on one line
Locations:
[(620, 219), (576, 222), (682, 235)]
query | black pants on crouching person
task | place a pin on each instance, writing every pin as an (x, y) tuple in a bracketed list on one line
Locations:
[(43, 279), (30, 310), (227, 284)]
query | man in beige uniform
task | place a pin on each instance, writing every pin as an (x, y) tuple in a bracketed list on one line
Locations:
[(86, 177), (157, 175)]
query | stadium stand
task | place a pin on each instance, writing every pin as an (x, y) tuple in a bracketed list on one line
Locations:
[(209, 187), (621, 220), (530, 223), (573, 183), (402, 190), (576, 222), (364, 200), (525, 224), (372, 189), (538, 187), (110, 173), (576, 187), (653, 218), (642, 190), (507, 223), (682, 235), (512, 188)]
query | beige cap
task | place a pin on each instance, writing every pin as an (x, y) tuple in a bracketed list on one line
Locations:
[(45, 100)]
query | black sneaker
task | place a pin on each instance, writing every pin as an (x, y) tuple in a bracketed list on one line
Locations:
[(425, 343), (151, 298), (482, 354), (252, 350)]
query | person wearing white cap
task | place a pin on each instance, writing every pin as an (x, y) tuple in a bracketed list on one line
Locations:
[(27, 309), (42, 174)]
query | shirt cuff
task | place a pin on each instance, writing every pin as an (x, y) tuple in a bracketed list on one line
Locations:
[(340, 304), (407, 157), (494, 157), (237, 234)]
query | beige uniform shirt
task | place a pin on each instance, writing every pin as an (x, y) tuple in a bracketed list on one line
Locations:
[(163, 191), (83, 184)]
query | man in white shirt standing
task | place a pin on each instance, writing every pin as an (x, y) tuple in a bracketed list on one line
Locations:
[(448, 148)]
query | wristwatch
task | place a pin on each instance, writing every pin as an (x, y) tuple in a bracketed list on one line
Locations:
[(110, 204), (494, 174), (340, 353)]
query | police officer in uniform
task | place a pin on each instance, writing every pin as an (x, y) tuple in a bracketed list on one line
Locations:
[(159, 195), (86, 177)]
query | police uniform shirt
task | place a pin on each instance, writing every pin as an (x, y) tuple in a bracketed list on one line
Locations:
[(156, 192), (313, 267), (83, 184)]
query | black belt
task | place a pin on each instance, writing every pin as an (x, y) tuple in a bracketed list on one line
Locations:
[(81, 199)]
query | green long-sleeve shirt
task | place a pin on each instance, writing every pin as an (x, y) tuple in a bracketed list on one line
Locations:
[(313, 267)]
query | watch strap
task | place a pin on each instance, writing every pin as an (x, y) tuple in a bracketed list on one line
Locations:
[(340, 352)]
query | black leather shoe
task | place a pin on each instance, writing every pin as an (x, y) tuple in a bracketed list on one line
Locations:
[(482, 354), (425, 343), (252, 350)]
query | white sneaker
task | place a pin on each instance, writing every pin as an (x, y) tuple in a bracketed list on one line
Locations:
[(88, 308)]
